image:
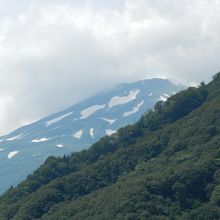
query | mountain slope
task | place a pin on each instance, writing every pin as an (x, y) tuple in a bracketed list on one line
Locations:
[(166, 166), (77, 127)]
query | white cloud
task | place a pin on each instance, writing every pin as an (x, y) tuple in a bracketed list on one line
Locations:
[(55, 53)]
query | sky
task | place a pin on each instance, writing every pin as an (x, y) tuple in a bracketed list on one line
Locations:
[(55, 53)]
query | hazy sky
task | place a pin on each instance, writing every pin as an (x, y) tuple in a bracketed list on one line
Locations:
[(54, 53)]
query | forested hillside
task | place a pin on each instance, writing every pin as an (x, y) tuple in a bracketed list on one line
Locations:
[(166, 166), (78, 127)]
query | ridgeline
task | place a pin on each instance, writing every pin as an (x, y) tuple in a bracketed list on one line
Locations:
[(165, 167)]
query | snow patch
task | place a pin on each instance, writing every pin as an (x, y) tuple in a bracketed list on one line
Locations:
[(59, 145), (150, 94), (15, 137), (39, 140), (55, 120), (91, 132), (56, 128), (121, 100), (78, 134), (166, 95), (110, 132), (1, 140), (91, 110), (110, 121), (1, 149), (162, 98), (134, 110), (12, 154)]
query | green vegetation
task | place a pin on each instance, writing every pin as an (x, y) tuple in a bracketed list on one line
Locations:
[(166, 166)]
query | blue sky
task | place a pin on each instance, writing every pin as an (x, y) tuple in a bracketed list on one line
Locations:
[(56, 53)]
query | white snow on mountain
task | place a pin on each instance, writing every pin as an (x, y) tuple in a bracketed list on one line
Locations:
[(56, 128), (134, 110), (91, 110), (76, 128), (59, 145), (110, 132), (39, 140), (162, 98), (166, 95), (14, 137), (121, 100), (12, 154), (78, 134), (48, 123), (110, 121), (91, 132)]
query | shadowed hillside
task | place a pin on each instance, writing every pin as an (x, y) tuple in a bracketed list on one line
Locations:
[(166, 166)]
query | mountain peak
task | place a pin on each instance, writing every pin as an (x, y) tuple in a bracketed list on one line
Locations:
[(78, 126)]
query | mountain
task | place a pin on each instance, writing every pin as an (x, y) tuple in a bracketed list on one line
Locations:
[(77, 127), (166, 166)]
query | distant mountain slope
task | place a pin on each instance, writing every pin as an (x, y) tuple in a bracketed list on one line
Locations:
[(77, 127), (166, 166)]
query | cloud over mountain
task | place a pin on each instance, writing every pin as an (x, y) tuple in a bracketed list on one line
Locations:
[(55, 53)]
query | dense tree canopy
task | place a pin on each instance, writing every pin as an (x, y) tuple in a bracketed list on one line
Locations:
[(166, 166)]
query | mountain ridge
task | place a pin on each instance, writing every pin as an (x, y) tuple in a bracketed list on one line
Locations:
[(77, 127), (165, 166)]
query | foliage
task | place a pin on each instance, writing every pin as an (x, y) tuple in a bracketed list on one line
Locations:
[(166, 166)]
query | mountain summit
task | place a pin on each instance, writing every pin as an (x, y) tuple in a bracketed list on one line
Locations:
[(77, 127)]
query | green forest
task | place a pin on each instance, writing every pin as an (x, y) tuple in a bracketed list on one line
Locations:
[(164, 167)]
